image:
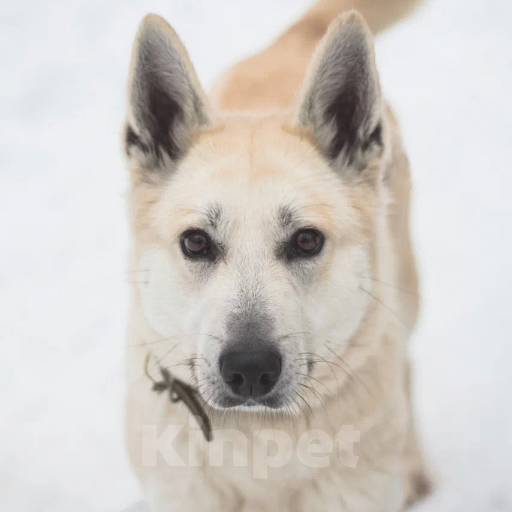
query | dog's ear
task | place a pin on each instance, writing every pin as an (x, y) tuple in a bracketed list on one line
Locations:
[(167, 105), (341, 101)]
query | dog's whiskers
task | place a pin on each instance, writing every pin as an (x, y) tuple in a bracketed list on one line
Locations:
[(316, 380), (352, 372), (408, 327), (306, 419), (161, 340), (317, 395), (390, 285)]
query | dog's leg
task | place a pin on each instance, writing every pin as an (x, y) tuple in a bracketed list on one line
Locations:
[(418, 481)]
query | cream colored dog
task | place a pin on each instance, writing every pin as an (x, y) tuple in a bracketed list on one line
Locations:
[(273, 272)]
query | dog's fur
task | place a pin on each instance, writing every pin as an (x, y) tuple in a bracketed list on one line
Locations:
[(293, 137)]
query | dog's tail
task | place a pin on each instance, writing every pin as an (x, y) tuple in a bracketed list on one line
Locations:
[(267, 80), (379, 14)]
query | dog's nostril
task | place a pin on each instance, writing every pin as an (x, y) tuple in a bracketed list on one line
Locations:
[(236, 379), (265, 379), (251, 373)]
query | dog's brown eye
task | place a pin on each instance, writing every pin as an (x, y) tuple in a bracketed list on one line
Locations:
[(307, 242), (195, 244)]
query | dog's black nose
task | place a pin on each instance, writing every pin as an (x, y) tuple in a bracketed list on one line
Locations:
[(251, 373)]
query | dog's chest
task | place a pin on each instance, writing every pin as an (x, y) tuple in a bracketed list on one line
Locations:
[(322, 469)]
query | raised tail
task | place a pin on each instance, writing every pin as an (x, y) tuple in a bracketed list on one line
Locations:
[(379, 14), (270, 79)]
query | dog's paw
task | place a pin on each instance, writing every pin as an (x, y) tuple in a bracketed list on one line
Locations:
[(418, 485)]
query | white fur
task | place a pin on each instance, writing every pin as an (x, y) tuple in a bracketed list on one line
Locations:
[(339, 311)]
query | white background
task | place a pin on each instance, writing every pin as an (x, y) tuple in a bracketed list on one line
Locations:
[(63, 235)]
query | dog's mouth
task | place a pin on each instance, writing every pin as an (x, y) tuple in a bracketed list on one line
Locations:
[(249, 403)]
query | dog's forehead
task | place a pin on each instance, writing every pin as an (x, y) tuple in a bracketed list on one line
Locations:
[(256, 172)]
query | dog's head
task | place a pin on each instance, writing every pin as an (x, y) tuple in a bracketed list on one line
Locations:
[(253, 235)]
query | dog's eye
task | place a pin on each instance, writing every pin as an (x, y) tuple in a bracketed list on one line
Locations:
[(306, 243), (195, 244)]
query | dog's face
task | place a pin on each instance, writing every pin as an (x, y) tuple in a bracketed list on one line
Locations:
[(254, 236)]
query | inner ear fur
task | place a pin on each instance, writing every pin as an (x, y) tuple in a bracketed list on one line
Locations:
[(166, 103), (341, 100)]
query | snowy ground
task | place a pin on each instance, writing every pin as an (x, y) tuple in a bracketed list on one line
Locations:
[(63, 236)]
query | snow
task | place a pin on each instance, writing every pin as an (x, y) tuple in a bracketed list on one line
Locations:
[(63, 234)]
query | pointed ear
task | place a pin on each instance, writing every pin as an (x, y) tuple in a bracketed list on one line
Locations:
[(341, 102), (167, 105)]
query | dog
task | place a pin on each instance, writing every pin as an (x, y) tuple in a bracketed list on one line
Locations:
[(273, 272)]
